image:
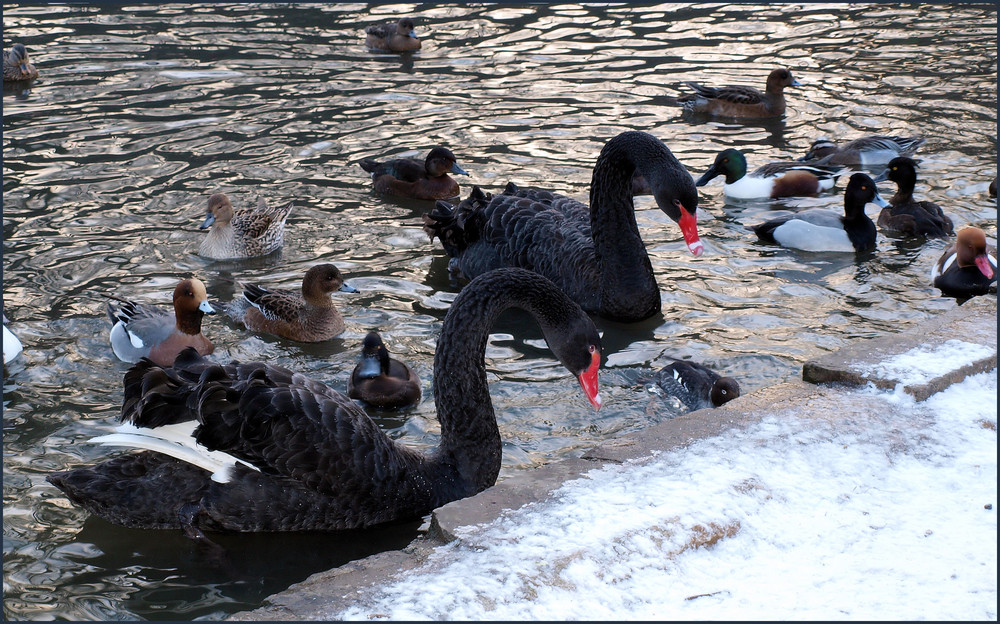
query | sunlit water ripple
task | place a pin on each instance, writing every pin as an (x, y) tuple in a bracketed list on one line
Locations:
[(142, 112)]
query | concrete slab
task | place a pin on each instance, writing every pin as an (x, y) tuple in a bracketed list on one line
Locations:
[(971, 325)]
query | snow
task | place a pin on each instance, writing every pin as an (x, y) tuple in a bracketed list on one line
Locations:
[(924, 363), (888, 517)]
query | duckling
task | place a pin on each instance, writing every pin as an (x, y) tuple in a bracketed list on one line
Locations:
[(967, 268), (16, 66), (380, 380), (773, 180), (741, 101), (867, 151), (306, 317), (393, 37), (906, 216), (244, 233), (410, 177)]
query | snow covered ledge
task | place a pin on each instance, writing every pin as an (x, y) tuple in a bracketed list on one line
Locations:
[(947, 349)]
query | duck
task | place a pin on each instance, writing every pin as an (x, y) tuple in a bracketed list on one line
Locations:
[(906, 216), (821, 229), (16, 65), (244, 233), (144, 331), (770, 181), (416, 179), (11, 345), (382, 381), (992, 190), (696, 385), (867, 151), (255, 447), (594, 254), (306, 316), (968, 267), (741, 101), (393, 36)]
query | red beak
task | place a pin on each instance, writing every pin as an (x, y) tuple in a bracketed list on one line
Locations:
[(689, 228), (984, 265), (588, 380)]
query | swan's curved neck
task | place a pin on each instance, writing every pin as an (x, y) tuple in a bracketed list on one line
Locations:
[(628, 284), (470, 437)]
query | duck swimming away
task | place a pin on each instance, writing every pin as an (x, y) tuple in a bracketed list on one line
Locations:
[(382, 381), (255, 447)]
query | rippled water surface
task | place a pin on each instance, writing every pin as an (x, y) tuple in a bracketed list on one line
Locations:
[(142, 111)]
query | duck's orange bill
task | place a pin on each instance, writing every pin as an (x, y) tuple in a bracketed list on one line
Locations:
[(983, 263), (588, 380), (689, 228)]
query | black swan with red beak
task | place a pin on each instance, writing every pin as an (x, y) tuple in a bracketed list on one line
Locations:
[(256, 447), (595, 254)]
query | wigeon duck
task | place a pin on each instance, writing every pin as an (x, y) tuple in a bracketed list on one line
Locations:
[(139, 330), (595, 254), (289, 453), (16, 66), (309, 316), (906, 216), (416, 179), (773, 180), (11, 345), (740, 101), (967, 268), (382, 381), (867, 151), (244, 233), (820, 229), (696, 385), (392, 36)]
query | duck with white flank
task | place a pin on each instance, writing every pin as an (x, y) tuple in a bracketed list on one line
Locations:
[(773, 180), (820, 229)]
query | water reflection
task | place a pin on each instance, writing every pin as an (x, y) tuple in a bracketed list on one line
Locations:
[(142, 111)]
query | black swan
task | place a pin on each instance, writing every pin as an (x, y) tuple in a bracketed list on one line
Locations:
[(380, 380), (294, 454), (593, 254)]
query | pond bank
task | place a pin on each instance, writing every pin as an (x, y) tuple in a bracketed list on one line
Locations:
[(918, 364)]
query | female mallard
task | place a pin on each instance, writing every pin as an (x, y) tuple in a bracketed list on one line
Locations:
[(244, 233), (16, 65), (741, 101)]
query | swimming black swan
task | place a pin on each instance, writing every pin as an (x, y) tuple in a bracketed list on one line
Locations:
[(302, 456), (593, 254)]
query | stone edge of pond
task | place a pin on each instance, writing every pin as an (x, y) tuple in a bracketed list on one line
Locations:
[(822, 390)]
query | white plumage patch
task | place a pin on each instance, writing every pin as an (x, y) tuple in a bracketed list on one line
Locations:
[(177, 441), (799, 234)]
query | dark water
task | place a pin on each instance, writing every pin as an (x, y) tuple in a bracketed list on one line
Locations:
[(143, 111)]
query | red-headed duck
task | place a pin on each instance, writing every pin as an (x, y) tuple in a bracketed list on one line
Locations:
[(967, 268), (140, 330)]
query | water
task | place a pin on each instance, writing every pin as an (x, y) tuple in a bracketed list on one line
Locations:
[(143, 111)]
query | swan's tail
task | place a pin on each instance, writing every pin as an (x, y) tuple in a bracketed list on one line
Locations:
[(458, 226)]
